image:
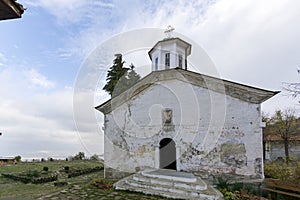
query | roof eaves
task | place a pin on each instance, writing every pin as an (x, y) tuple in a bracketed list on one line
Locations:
[(11, 9), (233, 89)]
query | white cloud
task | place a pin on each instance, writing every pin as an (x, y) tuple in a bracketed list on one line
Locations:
[(38, 121), (247, 40), (45, 123), (250, 42), (71, 11), (29, 125), (2, 59), (39, 80)]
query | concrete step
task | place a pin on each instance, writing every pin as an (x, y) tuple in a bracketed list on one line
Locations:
[(171, 188), (170, 175), (209, 193), (122, 185), (198, 185)]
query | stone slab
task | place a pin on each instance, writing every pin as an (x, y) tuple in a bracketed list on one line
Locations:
[(174, 189), (170, 175), (199, 185)]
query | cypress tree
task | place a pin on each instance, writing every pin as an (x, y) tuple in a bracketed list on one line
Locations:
[(114, 75), (120, 78), (132, 76)]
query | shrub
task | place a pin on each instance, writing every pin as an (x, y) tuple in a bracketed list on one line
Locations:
[(283, 172), (80, 172), (297, 174), (18, 158), (44, 179), (222, 183), (67, 168), (45, 168), (237, 187), (33, 173), (94, 157), (31, 179), (102, 183), (228, 195)]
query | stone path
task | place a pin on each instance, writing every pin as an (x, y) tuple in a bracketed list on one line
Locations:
[(78, 192)]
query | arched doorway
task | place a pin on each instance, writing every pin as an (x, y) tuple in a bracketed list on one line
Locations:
[(167, 154)]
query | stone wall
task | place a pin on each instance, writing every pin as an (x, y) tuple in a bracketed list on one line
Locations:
[(213, 132)]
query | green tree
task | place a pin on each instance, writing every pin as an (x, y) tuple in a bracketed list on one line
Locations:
[(116, 74), (94, 157), (18, 158), (79, 156), (50, 159), (132, 76), (120, 78)]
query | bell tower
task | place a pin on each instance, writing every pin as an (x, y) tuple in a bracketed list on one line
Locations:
[(170, 53)]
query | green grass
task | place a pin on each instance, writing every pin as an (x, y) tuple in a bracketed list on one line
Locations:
[(53, 166), (80, 187), (10, 188)]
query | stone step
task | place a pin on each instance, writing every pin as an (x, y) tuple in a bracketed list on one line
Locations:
[(209, 193), (170, 175), (169, 188), (121, 185), (198, 185)]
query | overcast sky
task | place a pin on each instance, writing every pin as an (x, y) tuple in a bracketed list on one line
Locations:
[(43, 57)]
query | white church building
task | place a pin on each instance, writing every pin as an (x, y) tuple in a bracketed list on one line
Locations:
[(182, 120)]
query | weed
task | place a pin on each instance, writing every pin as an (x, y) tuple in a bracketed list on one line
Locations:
[(222, 183)]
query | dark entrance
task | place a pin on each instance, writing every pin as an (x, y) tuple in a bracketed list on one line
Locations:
[(167, 154)]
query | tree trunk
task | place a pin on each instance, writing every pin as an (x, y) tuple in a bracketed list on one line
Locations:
[(286, 150)]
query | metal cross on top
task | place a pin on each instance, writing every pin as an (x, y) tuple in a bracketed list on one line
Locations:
[(169, 31)]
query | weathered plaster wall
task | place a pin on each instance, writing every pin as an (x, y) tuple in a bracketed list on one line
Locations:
[(213, 132)]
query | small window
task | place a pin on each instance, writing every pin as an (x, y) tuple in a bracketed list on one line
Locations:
[(180, 61), (167, 60), (156, 63)]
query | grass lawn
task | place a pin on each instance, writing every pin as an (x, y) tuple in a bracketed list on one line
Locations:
[(78, 187), (10, 188)]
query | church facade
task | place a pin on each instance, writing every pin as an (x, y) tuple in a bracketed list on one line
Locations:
[(181, 120)]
